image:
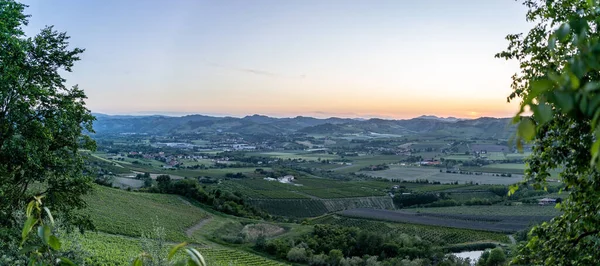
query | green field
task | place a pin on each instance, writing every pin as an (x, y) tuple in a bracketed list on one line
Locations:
[(307, 187), (133, 214), (501, 210), (297, 155), (107, 249), (458, 157), (359, 162), (433, 174), (512, 166)]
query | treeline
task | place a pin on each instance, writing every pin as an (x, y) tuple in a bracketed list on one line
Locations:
[(405, 198), (378, 167), (338, 245), (222, 201)]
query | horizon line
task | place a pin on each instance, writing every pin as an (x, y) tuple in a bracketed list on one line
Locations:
[(367, 117)]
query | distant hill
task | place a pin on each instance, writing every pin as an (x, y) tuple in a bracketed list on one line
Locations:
[(260, 124)]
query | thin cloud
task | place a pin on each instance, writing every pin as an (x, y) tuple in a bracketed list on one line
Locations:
[(254, 71)]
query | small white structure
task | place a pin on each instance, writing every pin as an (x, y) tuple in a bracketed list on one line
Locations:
[(286, 179), (546, 201)]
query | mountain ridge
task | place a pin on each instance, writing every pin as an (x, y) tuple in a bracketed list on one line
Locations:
[(265, 125)]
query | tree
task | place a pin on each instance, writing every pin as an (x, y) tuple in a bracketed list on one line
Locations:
[(559, 79), (42, 122), (163, 181), (297, 254), (496, 257), (335, 256)]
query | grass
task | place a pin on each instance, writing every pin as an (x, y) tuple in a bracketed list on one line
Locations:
[(307, 187), (512, 166), (132, 214), (458, 157), (359, 162)]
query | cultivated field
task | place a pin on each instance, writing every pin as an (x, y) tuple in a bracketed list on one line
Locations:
[(109, 250), (433, 174), (475, 222), (436, 235), (497, 210), (133, 214)]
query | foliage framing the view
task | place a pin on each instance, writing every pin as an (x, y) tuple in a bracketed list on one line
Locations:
[(560, 83), (41, 120)]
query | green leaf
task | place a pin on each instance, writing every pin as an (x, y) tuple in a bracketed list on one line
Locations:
[(513, 189), (595, 118), (44, 232), (564, 100), (65, 262), (137, 262), (526, 129), (31, 221), (196, 257), (175, 249), (538, 87), (563, 31), (552, 43), (591, 86), (49, 215), (595, 151), (29, 208), (590, 3), (26, 250), (543, 112), (54, 242), (574, 80)]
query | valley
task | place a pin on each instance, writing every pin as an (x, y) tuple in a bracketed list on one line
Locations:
[(242, 189)]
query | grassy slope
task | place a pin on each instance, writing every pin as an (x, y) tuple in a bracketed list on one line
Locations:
[(106, 249), (130, 213), (125, 216)]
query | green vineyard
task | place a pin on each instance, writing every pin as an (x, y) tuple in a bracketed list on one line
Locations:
[(113, 250), (436, 235), (291, 207)]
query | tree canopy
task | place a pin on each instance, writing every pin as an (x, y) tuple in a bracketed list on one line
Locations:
[(42, 121), (559, 83)]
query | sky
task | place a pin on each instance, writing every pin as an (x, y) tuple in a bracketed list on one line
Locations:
[(323, 58)]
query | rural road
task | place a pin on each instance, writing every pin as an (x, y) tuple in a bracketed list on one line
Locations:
[(512, 239), (190, 231)]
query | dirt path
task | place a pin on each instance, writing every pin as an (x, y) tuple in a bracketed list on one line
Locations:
[(190, 231), (185, 201), (512, 239)]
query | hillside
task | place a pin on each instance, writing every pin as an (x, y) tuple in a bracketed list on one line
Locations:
[(257, 124)]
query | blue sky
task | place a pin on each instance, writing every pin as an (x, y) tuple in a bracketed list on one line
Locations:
[(285, 58)]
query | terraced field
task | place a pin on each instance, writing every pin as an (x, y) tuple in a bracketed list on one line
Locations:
[(291, 207), (434, 234), (307, 187), (475, 222), (317, 207)]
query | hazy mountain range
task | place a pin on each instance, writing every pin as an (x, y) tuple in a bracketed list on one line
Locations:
[(260, 124)]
